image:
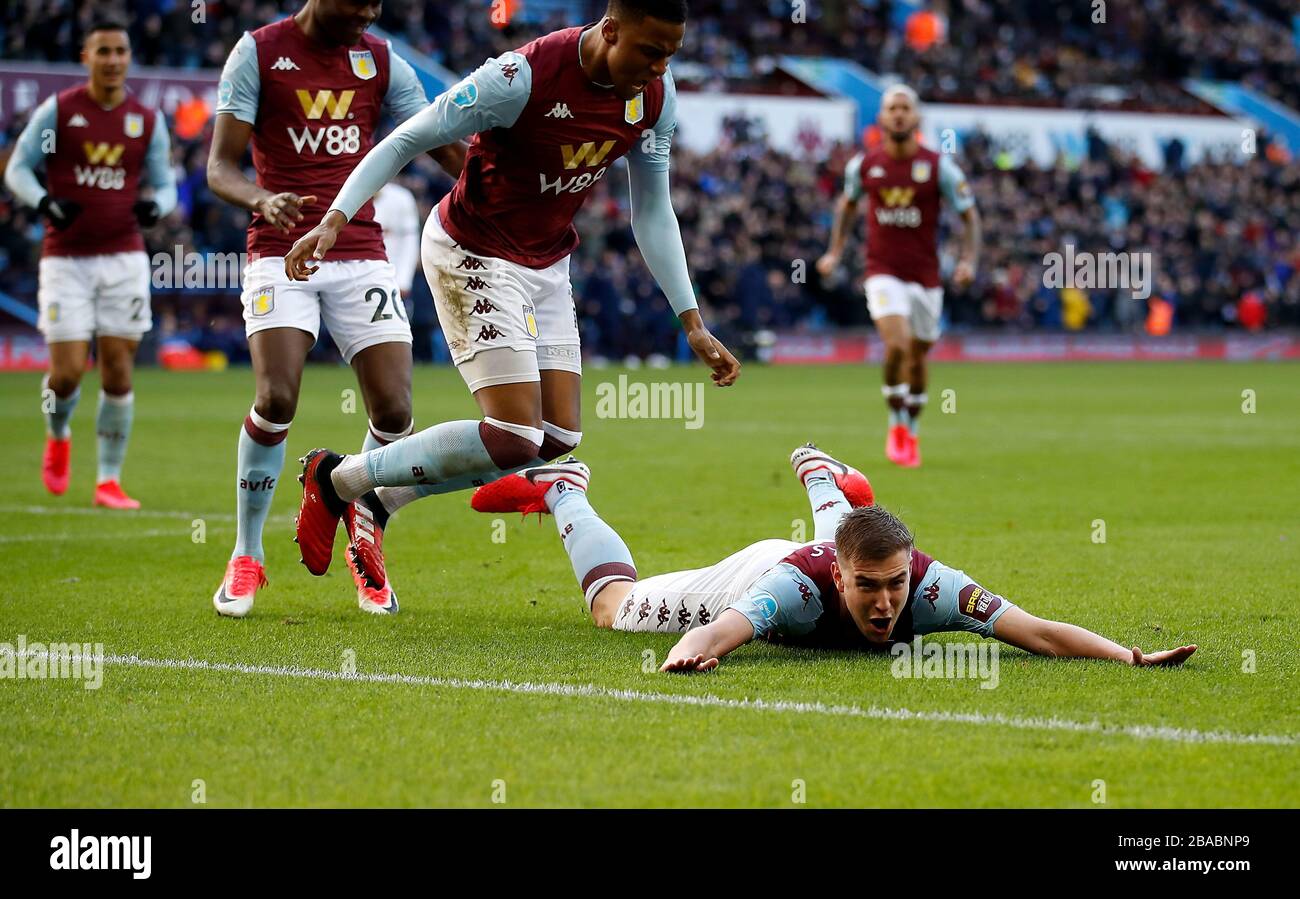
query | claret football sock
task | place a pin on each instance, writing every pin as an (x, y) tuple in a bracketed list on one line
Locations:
[(598, 554), (896, 398), (376, 438), (59, 412), (113, 430), (260, 460)]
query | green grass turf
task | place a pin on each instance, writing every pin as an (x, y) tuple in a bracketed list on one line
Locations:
[(1200, 507)]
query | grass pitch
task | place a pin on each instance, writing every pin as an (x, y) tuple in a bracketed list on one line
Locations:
[(510, 696)]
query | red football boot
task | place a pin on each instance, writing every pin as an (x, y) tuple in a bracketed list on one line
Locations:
[(524, 492), (110, 495), (912, 458), (852, 483), (55, 464), (364, 521), (320, 512), (244, 577), (896, 444)]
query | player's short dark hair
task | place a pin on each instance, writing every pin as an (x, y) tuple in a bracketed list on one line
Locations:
[(636, 10), (871, 534), (105, 23)]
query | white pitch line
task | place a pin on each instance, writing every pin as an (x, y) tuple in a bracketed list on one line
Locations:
[(128, 516), (81, 538), (1136, 731)]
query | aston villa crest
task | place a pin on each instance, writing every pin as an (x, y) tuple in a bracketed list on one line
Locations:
[(134, 124), (634, 110), (921, 171), (264, 301), (363, 64)]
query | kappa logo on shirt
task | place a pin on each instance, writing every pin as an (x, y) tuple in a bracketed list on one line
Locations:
[(931, 594), (284, 64), (78, 121), (561, 111)]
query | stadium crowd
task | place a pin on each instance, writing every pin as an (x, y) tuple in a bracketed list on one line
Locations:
[(1222, 235), (979, 51)]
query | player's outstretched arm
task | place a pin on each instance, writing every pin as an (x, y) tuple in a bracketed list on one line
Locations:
[(1055, 638), (486, 99), (701, 649)]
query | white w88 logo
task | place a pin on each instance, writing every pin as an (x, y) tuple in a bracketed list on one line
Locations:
[(337, 139), (104, 177)]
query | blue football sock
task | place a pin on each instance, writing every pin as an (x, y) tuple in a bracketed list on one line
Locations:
[(828, 503), (113, 430), (446, 457), (598, 554), (59, 410), (260, 461)]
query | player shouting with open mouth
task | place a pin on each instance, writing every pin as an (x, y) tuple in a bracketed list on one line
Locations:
[(548, 123), (860, 584)]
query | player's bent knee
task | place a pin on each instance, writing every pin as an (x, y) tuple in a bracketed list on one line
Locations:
[(394, 418), (509, 445), (557, 441), (276, 403), (63, 383)]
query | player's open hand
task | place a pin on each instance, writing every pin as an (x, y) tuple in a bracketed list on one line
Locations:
[(310, 249), (827, 265), (685, 664), (1167, 657), (726, 368), (283, 211), (963, 275)]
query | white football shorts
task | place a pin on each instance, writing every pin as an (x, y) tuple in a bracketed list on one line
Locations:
[(358, 299), (922, 306), (504, 322), (681, 600), (83, 296)]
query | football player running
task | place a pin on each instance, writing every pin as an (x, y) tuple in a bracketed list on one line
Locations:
[(860, 584), (548, 122), (903, 184)]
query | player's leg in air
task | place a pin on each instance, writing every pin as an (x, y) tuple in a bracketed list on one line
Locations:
[(833, 488), (513, 337)]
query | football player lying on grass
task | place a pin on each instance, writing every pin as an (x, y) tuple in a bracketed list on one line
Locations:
[(859, 584)]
